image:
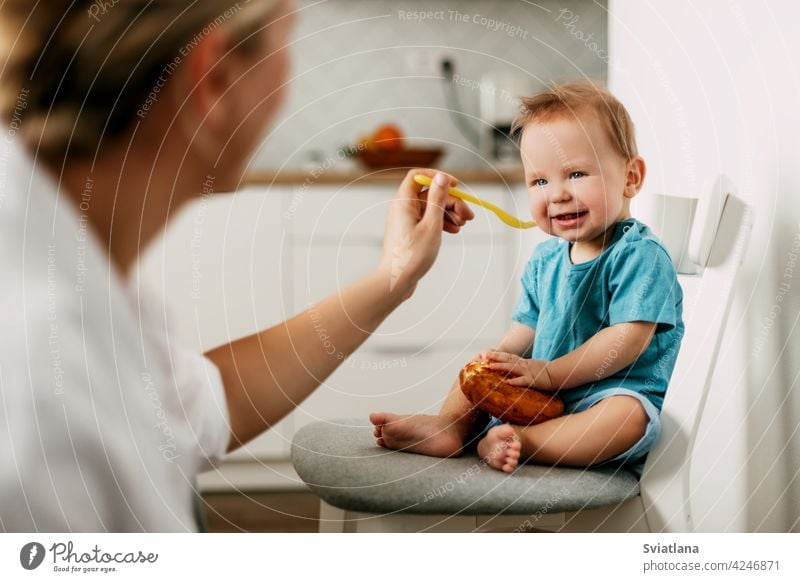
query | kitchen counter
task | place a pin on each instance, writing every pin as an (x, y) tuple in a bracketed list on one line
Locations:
[(510, 175)]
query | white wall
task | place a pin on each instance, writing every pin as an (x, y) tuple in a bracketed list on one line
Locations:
[(714, 87)]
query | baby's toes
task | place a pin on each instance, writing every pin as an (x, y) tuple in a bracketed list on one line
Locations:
[(510, 464)]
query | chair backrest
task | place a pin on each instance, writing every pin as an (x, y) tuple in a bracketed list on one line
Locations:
[(707, 239)]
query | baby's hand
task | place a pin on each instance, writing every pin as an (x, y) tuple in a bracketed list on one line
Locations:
[(482, 356), (530, 373)]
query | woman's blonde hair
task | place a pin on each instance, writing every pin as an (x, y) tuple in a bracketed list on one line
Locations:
[(75, 72), (569, 100)]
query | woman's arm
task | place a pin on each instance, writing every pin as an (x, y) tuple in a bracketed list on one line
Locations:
[(268, 374), (605, 353)]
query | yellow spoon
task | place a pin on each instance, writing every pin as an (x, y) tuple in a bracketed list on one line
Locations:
[(501, 214)]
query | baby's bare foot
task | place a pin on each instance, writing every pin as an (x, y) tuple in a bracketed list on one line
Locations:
[(423, 434), (500, 448)]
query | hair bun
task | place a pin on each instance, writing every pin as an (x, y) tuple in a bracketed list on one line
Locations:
[(85, 67)]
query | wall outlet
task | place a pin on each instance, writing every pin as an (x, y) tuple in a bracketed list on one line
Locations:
[(425, 61)]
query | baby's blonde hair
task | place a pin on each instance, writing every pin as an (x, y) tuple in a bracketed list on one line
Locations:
[(570, 100), (75, 72)]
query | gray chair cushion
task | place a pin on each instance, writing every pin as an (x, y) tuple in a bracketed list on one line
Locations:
[(340, 461)]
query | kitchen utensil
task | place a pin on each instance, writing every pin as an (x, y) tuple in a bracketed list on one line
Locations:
[(501, 214)]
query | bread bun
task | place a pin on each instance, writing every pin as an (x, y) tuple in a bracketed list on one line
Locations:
[(487, 390)]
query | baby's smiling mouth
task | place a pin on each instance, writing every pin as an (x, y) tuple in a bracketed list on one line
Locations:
[(568, 215)]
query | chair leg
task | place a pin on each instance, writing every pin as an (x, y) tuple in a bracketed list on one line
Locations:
[(406, 523), (540, 522), (331, 519), (628, 516), (335, 520)]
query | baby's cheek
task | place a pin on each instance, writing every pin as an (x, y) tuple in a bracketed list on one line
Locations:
[(539, 214), (535, 207), (543, 223)]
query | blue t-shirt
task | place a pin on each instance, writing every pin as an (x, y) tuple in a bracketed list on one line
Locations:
[(633, 279)]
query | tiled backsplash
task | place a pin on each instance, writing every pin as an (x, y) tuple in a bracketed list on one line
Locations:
[(361, 63)]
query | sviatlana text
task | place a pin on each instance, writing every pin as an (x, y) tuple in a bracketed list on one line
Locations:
[(669, 549)]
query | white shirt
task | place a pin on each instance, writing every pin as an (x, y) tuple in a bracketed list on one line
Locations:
[(104, 422)]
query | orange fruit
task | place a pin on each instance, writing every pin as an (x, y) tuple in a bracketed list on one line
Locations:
[(388, 137)]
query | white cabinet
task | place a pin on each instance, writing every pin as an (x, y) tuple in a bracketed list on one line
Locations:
[(220, 267), (374, 380), (461, 298)]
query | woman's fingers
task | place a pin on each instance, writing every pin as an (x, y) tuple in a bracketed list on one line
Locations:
[(460, 209), (413, 232), (451, 228), (456, 212), (430, 173), (414, 226), (437, 199), (411, 197), (451, 217), (456, 215), (452, 224)]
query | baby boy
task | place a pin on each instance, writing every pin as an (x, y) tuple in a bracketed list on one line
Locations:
[(598, 322)]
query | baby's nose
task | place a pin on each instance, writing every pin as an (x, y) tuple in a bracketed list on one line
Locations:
[(561, 194)]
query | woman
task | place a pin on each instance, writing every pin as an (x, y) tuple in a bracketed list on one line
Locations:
[(119, 113)]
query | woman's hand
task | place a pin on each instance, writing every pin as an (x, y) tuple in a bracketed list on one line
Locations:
[(530, 373), (414, 228)]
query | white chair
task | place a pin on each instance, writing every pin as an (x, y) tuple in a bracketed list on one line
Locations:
[(366, 488)]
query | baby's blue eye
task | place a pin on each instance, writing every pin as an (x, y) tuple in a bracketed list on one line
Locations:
[(576, 174), (539, 182)]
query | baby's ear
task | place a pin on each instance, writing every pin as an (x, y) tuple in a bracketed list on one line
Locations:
[(634, 177)]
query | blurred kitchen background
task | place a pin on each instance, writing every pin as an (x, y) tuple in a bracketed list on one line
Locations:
[(713, 89), (362, 64)]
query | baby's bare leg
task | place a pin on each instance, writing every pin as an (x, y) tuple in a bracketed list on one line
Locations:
[(605, 430), (459, 412), (441, 435), (608, 428)]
